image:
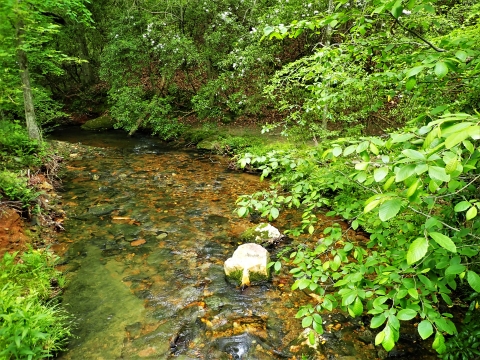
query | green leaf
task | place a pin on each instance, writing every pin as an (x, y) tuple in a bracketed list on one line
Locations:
[(451, 166), (405, 172), (410, 84), (454, 269), (406, 314), (417, 250), (277, 266), (425, 329), (439, 342), (374, 149), (318, 327), (307, 321), (274, 212), (462, 206), (471, 213), (389, 183), (473, 280), (389, 209), (414, 71), (411, 190), (268, 30), (438, 173), (456, 138), (378, 321), (349, 298), (413, 293), (389, 341), (357, 307), (397, 9), (311, 338), (371, 205), (441, 69), (379, 338), (242, 211), (444, 241), (461, 55), (304, 283), (380, 173), (414, 154)]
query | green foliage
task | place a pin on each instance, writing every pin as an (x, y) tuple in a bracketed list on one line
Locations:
[(16, 148), (32, 27), (415, 192), (133, 108), (464, 346), (382, 62), (15, 188), (32, 325)]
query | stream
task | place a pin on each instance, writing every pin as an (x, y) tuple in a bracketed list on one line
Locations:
[(148, 229)]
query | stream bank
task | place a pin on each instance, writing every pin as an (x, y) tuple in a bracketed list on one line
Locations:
[(148, 230)]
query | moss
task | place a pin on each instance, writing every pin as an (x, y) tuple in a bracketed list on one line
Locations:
[(235, 277), (257, 278), (103, 122), (256, 235), (210, 144)]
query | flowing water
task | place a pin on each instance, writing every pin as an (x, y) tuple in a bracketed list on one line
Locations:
[(148, 230)]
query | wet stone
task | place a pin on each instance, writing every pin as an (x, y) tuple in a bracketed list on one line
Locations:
[(216, 220), (101, 210)]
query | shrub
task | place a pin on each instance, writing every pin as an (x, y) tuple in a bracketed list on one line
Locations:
[(16, 147), (15, 188), (32, 324)]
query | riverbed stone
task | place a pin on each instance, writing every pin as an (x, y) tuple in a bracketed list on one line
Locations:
[(263, 234), (248, 265)]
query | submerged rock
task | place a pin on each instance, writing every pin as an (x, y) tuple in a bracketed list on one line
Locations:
[(263, 234), (248, 265)]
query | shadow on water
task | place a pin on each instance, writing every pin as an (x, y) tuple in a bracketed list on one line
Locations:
[(148, 231)]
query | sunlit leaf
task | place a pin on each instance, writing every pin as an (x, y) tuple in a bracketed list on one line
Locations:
[(406, 314), (441, 69), (444, 241), (389, 209), (471, 213), (425, 329), (473, 280), (380, 173), (417, 250)]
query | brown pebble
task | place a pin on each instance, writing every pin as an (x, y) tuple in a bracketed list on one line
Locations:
[(138, 242)]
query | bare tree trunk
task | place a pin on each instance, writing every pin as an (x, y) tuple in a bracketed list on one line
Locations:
[(32, 126)]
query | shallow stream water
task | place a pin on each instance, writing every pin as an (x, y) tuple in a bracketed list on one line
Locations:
[(148, 230)]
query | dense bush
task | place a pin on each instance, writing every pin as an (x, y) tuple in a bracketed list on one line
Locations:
[(16, 148), (415, 193), (32, 326), (18, 153), (15, 188)]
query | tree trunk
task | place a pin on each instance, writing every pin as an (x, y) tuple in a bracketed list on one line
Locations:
[(87, 71), (328, 38), (32, 126)]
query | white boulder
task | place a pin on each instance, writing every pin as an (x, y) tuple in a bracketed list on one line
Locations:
[(248, 265)]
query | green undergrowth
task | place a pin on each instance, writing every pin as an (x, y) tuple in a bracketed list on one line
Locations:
[(32, 323), (222, 140), (19, 156), (414, 192)]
